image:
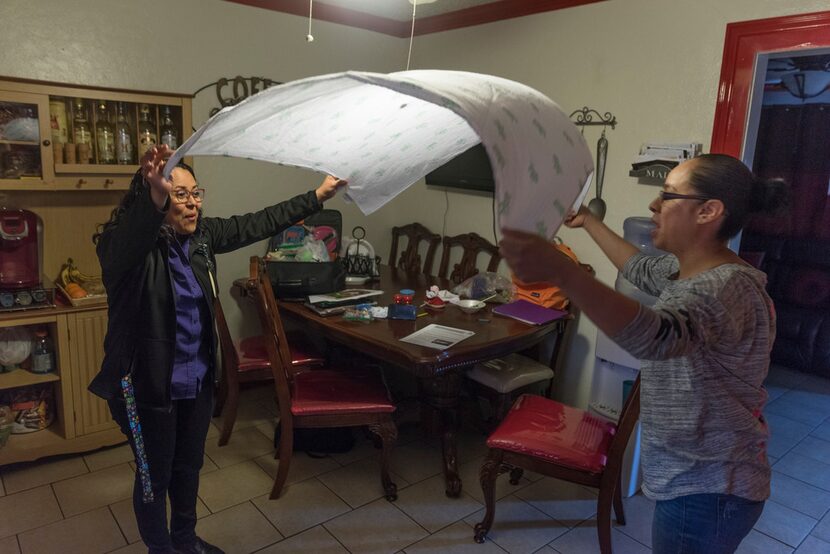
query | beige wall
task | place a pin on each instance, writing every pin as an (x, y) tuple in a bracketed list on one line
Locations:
[(180, 46), (654, 63)]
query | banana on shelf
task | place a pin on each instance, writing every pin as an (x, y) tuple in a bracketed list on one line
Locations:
[(78, 286)]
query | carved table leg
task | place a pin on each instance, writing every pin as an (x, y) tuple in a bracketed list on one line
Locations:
[(442, 393)]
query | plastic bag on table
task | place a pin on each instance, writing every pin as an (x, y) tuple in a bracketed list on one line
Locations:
[(488, 285), (312, 250)]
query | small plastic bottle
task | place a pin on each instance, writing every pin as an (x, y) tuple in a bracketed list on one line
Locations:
[(43, 356)]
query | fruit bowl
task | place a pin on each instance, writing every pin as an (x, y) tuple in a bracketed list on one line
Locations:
[(88, 300), (79, 288), (470, 306)]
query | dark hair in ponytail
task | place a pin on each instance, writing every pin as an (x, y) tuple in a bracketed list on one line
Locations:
[(727, 179), (137, 187)]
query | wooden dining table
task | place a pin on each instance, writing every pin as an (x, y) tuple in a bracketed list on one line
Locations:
[(439, 372)]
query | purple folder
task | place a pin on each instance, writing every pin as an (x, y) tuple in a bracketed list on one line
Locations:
[(528, 312)]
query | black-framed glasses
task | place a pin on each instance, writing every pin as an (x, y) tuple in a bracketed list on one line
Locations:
[(180, 196), (666, 195)]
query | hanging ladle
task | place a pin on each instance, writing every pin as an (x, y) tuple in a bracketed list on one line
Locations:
[(597, 205)]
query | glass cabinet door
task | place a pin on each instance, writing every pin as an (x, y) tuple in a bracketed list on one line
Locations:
[(26, 139)]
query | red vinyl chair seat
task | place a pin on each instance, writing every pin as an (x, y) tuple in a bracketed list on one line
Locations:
[(329, 391), (546, 429), (253, 354)]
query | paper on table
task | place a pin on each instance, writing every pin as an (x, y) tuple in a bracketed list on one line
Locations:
[(438, 337), (343, 295)]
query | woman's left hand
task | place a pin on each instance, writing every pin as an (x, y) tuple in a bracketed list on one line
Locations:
[(533, 259), (329, 187)]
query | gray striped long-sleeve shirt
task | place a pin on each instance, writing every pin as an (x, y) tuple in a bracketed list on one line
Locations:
[(704, 350)]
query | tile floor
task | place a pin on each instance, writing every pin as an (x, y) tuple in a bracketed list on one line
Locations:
[(81, 504)]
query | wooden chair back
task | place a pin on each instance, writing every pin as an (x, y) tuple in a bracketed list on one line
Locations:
[(259, 286), (472, 244), (625, 426), (230, 357), (410, 259)]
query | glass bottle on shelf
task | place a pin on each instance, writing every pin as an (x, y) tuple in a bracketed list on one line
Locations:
[(57, 119), (123, 138), (146, 131), (169, 134), (105, 135), (43, 355), (81, 133)]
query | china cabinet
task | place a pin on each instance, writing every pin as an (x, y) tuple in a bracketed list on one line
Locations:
[(67, 154)]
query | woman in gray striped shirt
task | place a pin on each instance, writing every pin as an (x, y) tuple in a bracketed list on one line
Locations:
[(704, 347)]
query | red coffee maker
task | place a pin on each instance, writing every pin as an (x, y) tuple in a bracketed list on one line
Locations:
[(20, 237)]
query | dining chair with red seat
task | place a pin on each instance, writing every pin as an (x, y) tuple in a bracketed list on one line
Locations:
[(410, 259), (503, 380), (566, 443), (472, 244), (326, 397), (246, 361)]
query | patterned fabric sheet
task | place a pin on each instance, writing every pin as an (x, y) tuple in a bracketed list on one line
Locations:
[(384, 133)]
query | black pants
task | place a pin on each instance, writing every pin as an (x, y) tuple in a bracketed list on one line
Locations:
[(175, 445)]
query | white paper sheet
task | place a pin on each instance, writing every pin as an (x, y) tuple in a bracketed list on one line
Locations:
[(438, 337), (385, 132)]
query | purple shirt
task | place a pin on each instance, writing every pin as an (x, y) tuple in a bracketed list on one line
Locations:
[(190, 363)]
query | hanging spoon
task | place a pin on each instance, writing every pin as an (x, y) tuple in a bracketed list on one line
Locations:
[(597, 205)]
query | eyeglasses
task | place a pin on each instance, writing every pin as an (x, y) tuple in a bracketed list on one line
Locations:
[(665, 195), (180, 196)]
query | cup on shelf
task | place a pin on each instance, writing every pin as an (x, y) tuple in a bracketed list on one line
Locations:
[(83, 153), (57, 152), (69, 153)]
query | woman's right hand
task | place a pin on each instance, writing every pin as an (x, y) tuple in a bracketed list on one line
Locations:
[(152, 167), (577, 219)]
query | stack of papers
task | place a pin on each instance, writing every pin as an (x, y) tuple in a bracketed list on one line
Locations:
[(438, 337), (343, 297)]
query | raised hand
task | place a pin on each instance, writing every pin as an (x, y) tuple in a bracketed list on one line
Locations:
[(329, 187), (577, 219), (533, 259), (152, 166)]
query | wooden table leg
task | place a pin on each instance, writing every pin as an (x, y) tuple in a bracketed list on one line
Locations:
[(442, 393)]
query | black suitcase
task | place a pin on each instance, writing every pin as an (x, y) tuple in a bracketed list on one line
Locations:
[(296, 280)]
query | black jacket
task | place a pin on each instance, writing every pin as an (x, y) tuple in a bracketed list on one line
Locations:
[(141, 330)]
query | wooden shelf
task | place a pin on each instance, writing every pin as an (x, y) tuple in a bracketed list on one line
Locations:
[(95, 168), (50, 442), (83, 421), (20, 142), (23, 377)]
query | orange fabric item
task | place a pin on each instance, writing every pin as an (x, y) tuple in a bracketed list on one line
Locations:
[(544, 294)]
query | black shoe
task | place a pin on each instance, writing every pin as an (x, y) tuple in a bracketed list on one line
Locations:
[(198, 547)]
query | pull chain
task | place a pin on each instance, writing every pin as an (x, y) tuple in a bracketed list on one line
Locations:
[(411, 33), (309, 37)]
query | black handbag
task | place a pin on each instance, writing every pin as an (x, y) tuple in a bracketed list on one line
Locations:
[(299, 279)]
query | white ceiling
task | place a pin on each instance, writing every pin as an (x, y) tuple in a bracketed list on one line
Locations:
[(401, 10)]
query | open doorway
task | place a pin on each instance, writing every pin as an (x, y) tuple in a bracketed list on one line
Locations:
[(788, 137), (773, 112)]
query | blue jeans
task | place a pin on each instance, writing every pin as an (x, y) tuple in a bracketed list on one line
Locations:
[(703, 523)]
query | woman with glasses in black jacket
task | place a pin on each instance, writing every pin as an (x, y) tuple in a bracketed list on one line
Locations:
[(157, 256)]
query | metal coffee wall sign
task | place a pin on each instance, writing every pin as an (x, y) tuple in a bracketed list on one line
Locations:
[(234, 90)]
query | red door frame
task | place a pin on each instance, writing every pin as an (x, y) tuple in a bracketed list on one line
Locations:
[(744, 41)]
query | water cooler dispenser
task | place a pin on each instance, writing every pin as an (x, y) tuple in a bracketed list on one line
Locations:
[(613, 366)]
